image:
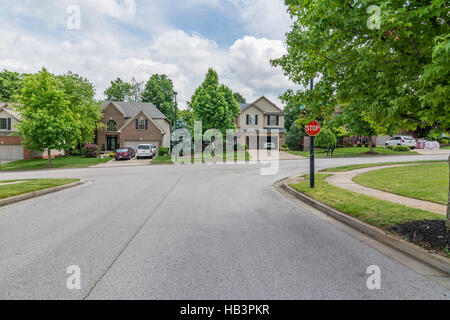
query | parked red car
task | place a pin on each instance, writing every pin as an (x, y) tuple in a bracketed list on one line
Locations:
[(125, 153)]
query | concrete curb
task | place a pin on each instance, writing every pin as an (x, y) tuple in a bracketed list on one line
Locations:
[(435, 261), (39, 193)]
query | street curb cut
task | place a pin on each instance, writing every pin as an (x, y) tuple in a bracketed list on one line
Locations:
[(412, 250), (39, 193)]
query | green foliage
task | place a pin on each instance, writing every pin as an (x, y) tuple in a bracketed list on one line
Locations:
[(325, 139), (294, 134), (163, 151), (159, 91), (398, 74), (9, 85), (86, 111), (401, 148), (188, 116), (214, 105), (443, 141), (47, 120), (119, 90), (239, 98)]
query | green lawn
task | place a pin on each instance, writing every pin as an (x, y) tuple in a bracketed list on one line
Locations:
[(421, 181), (376, 212), (369, 165), (446, 148), (59, 162), (352, 152), (162, 160), (31, 185)]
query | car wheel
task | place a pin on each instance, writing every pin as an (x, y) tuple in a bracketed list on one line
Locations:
[(399, 144)]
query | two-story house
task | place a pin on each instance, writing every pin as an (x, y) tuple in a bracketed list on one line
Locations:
[(260, 122), (128, 124)]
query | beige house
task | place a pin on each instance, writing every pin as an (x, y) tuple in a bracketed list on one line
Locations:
[(261, 122)]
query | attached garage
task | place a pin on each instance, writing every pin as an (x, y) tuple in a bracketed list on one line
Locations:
[(11, 152), (134, 144)]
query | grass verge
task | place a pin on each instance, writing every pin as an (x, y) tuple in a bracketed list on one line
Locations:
[(420, 181), (162, 160), (59, 162), (28, 186), (376, 212), (369, 165), (353, 152)]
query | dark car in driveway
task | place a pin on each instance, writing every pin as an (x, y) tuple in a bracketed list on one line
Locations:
[(124, 153)]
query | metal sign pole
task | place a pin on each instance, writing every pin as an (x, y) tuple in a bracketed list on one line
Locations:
[(311, 162)]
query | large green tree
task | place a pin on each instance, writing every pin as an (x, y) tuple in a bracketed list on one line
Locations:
[(395, 71), (159, 91), (119, 90), (239, 97), (47, 121), (214, 105), (80, 92), (9, 85)]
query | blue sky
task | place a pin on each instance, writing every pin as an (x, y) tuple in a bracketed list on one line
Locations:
[(137, 38)]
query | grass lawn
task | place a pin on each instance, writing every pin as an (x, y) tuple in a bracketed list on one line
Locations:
[(446, 148), (376, 212), (420, 181), (369, 165), (59, 162), (162, 160), (352, 152), (12, 190)]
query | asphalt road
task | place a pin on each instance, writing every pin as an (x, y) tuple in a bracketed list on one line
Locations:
[(191, 232)]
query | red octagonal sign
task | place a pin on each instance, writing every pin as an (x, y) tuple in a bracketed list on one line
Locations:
[(312, 128)]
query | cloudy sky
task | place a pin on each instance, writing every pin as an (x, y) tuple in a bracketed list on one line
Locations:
[(125, 38)]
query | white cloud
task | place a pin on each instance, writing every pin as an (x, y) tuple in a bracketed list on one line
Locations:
[(101, 51)]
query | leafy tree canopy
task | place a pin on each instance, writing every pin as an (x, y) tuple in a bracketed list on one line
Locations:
[(119, 90), (396, 74), (239, 97), (9, 85), (159, 91)]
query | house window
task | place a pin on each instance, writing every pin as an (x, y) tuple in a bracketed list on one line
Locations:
[(252, 119), (111, 126), (272, 120), (3, 124), (141, 124)]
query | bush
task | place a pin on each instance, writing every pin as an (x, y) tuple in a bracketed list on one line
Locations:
[(326, 138), (443, 141), (75, 153), (163, 151), (401, 148), (112, 154), (90, 151)]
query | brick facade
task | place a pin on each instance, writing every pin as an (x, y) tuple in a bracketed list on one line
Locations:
[(14, 140)]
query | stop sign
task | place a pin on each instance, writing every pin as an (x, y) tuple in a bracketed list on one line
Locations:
[(312, 128)]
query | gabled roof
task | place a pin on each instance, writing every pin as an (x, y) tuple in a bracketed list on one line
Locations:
[(131, 109), (9, 108), (133, 118), (244, 106)]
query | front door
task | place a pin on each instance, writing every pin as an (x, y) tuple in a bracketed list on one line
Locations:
[(112, 143)]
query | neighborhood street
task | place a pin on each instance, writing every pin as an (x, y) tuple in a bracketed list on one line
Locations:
[(194, 232)]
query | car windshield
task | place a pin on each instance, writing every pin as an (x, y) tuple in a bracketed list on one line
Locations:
[(144, 147), (409, 138), (122, 150)]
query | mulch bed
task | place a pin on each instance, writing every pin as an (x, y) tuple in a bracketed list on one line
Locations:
[(431, 234)]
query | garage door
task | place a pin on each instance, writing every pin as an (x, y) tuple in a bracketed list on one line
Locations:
[(11, 152), (134, 144)]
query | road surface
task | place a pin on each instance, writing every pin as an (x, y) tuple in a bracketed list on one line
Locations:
[(194, 232)]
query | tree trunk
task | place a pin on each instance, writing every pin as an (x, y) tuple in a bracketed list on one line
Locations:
[(49, 157), (370, 145), (447, 223)]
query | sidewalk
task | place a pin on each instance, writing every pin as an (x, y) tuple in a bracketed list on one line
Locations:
[(432, 152), (344, 180)]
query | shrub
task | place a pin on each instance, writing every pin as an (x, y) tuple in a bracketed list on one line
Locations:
[(443, 141), (112, 154), (163, 151), (401, 148), (75, 153), (325, 139), (90, 151)]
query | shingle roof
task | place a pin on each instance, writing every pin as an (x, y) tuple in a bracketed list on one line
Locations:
[(131, 109), (9, 107), (242, 106)]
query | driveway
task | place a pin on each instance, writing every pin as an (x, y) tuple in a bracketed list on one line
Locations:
[(194, 232), (124, 163)]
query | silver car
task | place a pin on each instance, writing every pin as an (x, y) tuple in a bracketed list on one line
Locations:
[(401, 141), (145, 151)]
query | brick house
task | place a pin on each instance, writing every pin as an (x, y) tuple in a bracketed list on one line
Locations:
[(128, 124), (11, 147)]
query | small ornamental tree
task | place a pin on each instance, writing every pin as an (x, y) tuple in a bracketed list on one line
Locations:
[(325, 139), (47, 122)]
